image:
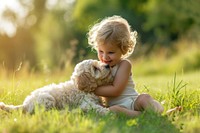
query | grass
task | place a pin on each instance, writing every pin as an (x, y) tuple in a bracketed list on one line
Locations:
[(176, 90), (171, 90)]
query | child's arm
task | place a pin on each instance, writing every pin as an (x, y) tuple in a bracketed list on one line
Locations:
[(120, 81)]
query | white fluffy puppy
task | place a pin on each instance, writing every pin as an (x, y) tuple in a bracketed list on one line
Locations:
[(74, 93)]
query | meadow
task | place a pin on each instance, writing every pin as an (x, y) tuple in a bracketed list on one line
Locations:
[(169, 87), (171, 90)]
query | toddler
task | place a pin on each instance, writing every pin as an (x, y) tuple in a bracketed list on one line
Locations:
[(114, 41)]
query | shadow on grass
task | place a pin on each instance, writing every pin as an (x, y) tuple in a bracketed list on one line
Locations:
[(77, 121), (148, 122)]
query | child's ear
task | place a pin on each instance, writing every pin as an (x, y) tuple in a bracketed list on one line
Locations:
[(86, 82)]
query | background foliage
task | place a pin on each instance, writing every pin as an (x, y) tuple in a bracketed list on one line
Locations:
[(53, 34)]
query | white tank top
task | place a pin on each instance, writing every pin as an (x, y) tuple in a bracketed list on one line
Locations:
[(128, 92)]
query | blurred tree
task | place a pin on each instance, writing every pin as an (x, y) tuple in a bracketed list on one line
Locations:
[(42, 36), (88, 12), (17, 47), (55, 34), (16, 50), (169, 19)]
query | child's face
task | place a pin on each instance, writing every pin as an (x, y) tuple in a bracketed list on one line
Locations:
[(109, 54)]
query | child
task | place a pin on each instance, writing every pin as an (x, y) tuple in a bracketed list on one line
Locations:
[(114, 41)]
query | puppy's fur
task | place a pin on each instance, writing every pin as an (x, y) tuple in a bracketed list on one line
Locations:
[(77, 92)]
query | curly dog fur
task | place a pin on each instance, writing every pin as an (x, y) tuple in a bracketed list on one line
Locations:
[(77, 92)]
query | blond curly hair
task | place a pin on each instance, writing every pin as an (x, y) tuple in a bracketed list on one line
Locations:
[(113, 30)]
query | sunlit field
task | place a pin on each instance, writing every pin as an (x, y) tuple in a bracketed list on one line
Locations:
[(41, 41), (175, 89)]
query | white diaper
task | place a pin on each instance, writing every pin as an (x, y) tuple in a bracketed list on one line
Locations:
[(127, 102)]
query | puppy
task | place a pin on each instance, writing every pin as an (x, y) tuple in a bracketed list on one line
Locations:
[(75, 93)]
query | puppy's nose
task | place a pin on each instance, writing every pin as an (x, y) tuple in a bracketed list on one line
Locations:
[(107, 66)]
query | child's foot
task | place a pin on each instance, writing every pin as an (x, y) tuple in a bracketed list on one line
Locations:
[(170, 111)]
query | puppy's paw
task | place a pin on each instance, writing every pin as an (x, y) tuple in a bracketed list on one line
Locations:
[(2, 105)]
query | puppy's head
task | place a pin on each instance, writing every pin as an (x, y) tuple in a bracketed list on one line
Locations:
[(90, 74)]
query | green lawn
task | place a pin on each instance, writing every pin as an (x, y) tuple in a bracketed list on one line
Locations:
[(172, 90)]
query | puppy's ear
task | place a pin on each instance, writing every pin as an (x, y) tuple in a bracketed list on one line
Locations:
[(86, 82)]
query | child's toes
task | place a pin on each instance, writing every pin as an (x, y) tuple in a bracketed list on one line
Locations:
[(170, 111)]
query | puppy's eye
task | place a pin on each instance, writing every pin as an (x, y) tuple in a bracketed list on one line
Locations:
[(96, 68)]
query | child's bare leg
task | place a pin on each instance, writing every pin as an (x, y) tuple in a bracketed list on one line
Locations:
[(119, 109), (157, 106), (145, 102)]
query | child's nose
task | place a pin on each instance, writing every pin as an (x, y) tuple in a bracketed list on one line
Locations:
[(105, 56)]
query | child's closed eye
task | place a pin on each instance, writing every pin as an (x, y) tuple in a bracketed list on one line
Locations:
[(111, 52)]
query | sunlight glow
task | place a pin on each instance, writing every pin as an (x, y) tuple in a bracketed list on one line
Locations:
[(51, 3), (7, 27)]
